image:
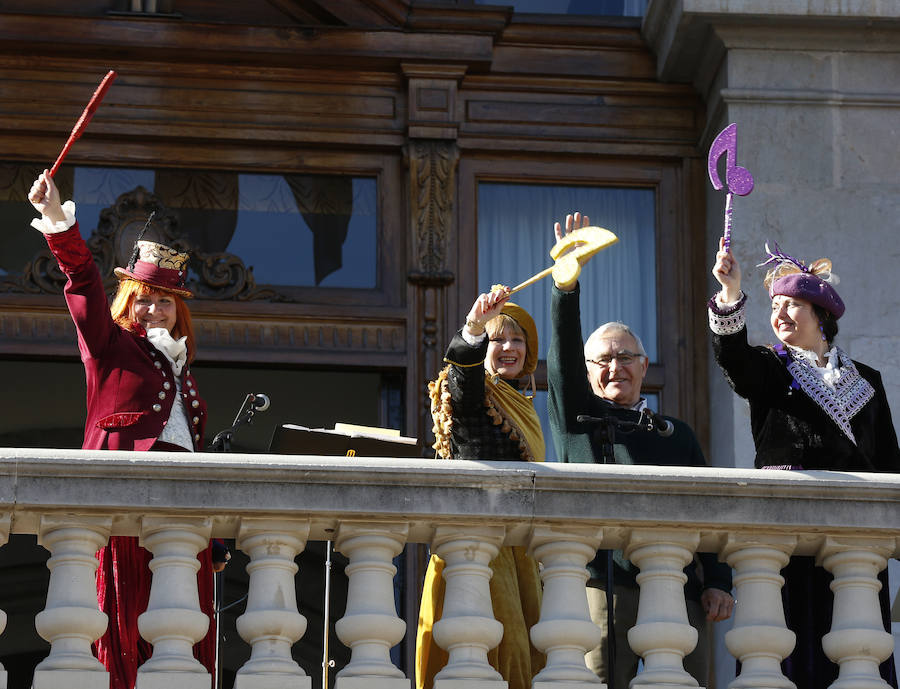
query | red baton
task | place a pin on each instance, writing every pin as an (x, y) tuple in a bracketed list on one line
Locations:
[(86, 116)]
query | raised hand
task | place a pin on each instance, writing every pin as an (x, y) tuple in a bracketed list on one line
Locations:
[(573, 222), (486, 307), (727, 271), (44, 196)]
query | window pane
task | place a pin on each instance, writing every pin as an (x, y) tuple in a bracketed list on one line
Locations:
[(609, 8), (329, 240), (294, 230), (515, 235)]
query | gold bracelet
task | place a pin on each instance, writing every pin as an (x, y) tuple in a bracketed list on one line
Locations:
[(475, 327)]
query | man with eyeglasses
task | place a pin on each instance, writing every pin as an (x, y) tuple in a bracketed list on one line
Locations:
[(603, 379)]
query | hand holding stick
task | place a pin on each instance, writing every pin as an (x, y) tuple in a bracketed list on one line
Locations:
[(570, 252), (86, 116)]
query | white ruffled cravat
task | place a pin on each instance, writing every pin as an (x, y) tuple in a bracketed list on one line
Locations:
[(175, 350), (830, 373)]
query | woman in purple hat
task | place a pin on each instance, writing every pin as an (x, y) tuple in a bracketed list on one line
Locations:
[(811, 407), (141, 395)]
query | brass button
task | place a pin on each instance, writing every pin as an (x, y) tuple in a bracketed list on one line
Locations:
[(193, 393), (158, 364), (167, 385), (196, 420), (195, 404), (162, 395), (157, 407), (196, 437)]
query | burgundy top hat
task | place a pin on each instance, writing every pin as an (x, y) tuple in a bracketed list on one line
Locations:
[(159, 266)]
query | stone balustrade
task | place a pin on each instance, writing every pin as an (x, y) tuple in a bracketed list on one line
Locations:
[(272, 505)]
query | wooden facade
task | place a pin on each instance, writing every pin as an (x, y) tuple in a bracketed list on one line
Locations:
[(430, 98)]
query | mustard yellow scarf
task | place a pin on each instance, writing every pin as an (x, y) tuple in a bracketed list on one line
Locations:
[(508, 408)]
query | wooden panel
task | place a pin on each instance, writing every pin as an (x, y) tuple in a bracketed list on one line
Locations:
[(160, 101), (243, 335), (182, 42)]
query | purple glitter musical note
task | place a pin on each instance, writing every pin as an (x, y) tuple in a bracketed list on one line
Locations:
[(739, 179)]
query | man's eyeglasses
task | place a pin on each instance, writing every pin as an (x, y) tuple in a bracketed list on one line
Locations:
[(623, 358)]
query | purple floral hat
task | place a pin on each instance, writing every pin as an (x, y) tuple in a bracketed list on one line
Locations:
[(792, 278)]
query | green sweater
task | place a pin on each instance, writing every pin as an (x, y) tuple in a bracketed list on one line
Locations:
[(571, 395)]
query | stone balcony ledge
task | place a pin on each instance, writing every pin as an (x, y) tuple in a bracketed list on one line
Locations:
[(424, 493)]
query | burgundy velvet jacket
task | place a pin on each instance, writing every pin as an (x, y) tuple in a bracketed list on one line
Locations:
[(130, 384)]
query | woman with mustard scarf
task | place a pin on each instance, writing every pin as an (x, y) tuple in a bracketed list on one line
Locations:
[(480, 414)]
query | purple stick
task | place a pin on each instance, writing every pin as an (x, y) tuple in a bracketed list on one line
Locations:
[(727, 233), (738, 179)]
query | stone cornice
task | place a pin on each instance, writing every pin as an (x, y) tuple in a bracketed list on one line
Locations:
[(687, 35)]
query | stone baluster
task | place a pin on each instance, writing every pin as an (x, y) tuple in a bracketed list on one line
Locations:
[(759, 638), (72, 621), (565, 631), (173, 621), (4, 537), (662, 635), (370, 625), (271, 623), (467, 629), (857, 640)]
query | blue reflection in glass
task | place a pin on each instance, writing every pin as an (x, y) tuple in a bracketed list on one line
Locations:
[(97, 188), (272, 234)]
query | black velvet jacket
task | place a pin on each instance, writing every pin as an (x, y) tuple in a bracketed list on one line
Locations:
[(790, 428)]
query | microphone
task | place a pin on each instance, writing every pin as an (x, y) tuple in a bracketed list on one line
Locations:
[(259, 401), (664, 427)]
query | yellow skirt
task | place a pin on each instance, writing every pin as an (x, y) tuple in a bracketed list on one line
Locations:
[(516, 598)]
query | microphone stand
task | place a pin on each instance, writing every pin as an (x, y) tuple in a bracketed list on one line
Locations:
[(222, 443), (605, 428), (252, 404)]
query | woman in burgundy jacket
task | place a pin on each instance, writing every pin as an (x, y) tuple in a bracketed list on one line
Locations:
[(140, 396)]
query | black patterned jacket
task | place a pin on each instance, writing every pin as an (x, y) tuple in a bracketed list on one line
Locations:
[(790, 427), (474, 435)]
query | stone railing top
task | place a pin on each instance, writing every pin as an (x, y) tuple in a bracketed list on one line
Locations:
[(424, 493)]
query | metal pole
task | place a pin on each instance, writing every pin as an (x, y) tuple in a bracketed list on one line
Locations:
[(326, 613)]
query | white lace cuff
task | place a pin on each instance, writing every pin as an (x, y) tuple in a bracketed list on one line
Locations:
[(43, 224), (728, 323)]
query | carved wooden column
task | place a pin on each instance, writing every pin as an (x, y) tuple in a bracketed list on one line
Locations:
[(271, 624), (857, 640), (370, 625), (565, 631), (431, 156), (760, 638), (662, 635), (72, 621), (467, 629)]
